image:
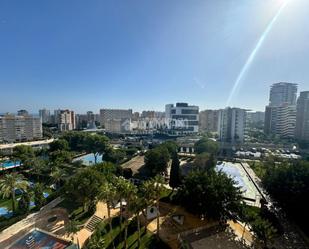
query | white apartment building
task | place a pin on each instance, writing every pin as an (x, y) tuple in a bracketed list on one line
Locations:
[(182, 118), (231, 125), (280, 114), (20, 128)]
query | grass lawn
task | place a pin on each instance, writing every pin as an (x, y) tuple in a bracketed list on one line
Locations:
[(148, 240), (6, 203), (259, 168)]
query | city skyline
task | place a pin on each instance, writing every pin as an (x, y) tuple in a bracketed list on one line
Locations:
[(144, 55)]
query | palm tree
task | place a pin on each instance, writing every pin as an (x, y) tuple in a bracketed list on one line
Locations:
[(37, 166), (71, 228), (9, 183), (96, 242), (129, 193), (154, 189), (125, 190), (57, 175), (136, 205), (108, 193)]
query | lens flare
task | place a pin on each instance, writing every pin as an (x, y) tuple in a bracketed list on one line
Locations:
[(254, 52)]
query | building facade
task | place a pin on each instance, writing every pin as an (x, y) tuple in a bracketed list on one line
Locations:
[(280, 114), (302, 117), (231, 125), (66, 120), (45, 115), (20, 128), (208, 120), (114, 119), (182, 118)]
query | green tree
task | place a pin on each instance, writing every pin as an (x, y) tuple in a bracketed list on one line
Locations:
[(128, 192), (212, 194), (84, 187), (38, 166), (114, 155), (153, 190), (288, 184), (156, 160), (264, 231), (60, 144), (175, 178), (24, 202), (206, 145), (71, 228), (96, 242), (24, 154), (60, 157), (57, 175), (108, 193), (136, 206), (108, 169), (38, 191), (95, 144), (9, 183), (204, 161), (171, 146)]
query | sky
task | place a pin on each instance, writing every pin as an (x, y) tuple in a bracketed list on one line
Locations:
[(86, 55)]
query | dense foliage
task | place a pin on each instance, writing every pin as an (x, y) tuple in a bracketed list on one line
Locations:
[(206, 145), (156, 160), (211, 194), (288, 184), (84, 187), (175, 177)]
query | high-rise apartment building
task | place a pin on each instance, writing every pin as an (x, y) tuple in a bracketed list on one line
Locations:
[(208, 120), (280, 114), (109, 115), (66, 120), (182, 118), (231, 125), (45, 115), (282, 93), (302, 117), (20, 128)]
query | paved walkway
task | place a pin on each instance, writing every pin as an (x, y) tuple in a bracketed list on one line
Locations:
[(82, 236)]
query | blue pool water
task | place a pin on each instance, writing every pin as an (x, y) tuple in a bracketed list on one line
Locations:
[(88, 159), (10, 164), (5, 212)]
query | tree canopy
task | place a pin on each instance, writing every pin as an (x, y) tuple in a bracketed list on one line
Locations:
[(156, 160), (288, 184), (206, 145), (210, 193), (84, 186)]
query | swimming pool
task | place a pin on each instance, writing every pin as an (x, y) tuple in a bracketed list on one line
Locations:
[(88, 159), (235, 171), (5, 212), (8, 213), (10, 164), (39, 239)]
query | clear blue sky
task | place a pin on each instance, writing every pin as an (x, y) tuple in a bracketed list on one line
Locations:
[(142, 54)]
